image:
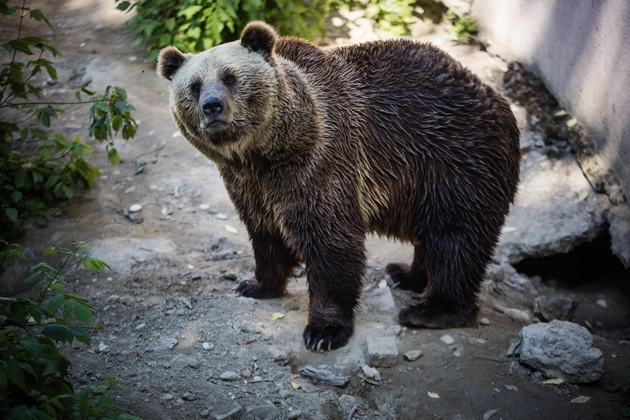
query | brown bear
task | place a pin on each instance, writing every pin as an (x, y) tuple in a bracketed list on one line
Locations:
[(318, 147)]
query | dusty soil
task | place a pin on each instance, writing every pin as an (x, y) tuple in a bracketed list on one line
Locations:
[(172, 324)]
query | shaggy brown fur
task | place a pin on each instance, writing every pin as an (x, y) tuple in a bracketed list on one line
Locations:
[(318, 147)]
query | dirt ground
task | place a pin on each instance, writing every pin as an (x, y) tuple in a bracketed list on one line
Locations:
[(185, 345)]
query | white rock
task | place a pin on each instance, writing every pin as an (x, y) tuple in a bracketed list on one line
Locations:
[(207, 346), (447, 339), (484, 321), (204, 207), (135, 208), (220, 216), (602, 303), (518, 316), (412, 355), (381, 351), (370, 372), (230, 376)]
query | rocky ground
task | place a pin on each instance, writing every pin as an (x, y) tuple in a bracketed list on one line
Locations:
[(186, 346)]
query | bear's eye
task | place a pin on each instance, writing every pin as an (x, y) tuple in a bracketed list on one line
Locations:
[(229, 79), (195, 88)]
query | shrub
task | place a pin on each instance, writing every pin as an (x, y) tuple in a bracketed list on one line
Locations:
[(34, 380), (196, 25), (29, 182)]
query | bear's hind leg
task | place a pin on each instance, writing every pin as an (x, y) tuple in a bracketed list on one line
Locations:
[(274, 265), (455, 267), (412, 277)]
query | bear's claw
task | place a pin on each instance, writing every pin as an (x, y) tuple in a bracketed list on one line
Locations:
[(326, 338), (401, 274), (250, 288)]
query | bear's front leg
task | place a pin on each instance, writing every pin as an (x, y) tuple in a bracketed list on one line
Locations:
[(274, 266), (334, 284)]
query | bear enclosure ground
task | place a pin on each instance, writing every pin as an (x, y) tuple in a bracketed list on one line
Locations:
[(185, 346)]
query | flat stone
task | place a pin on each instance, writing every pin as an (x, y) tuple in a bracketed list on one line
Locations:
[(447, 339), (561, 349), (484, 321), (230, 376), (412, 355), (226, 410), (279, 355), (381, 351), (550, 308), (264, 412), (518, 316)]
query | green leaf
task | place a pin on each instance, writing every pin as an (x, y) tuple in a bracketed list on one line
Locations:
[(67, 191), (16, 196), (40, 134), (83, 313), (121, 92), (189, 11), (36, 314), (33, 277), (67, 309), (112, 157), (12, 213), (94, 264), (20, 45), (55, 303), (15, 373), (123, 5)]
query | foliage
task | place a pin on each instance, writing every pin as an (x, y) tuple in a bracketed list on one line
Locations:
[(624, 389), (29, 184), (196, 25), (392, 17), (463, 26), (34, 380)]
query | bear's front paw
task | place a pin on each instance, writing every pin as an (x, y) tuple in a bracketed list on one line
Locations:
[(251, 288), (326, 338)]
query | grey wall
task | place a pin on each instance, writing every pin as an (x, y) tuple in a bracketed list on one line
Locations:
[(581, 49)]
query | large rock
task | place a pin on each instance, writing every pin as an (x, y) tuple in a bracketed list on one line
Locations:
[(554, 211), (619, 219), (561, 349)]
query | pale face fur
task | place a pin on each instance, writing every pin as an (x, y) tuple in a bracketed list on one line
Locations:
[(243, 81)]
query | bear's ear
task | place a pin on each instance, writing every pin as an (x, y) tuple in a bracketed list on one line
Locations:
[(169, 61), (259, 37)]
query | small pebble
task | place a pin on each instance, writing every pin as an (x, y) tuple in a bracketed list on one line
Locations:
[(602, 303), (102, 347), (135, 208), (207, 346), (140, 326), (484, 321), (230, 376), (204, 414), (204, 207), (166, 397), (220, 216), (447, 339), (413, 355)]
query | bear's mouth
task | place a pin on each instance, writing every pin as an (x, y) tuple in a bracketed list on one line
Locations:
[(212, 125)]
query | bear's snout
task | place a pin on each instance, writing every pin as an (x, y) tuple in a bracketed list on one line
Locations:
[(212, 106)]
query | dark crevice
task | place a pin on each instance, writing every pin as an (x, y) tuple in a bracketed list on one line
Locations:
[(585, 263)]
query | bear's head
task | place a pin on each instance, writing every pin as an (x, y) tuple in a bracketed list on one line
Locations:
[(223, 97)]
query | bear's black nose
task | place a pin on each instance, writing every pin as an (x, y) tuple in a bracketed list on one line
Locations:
[(212, 106)]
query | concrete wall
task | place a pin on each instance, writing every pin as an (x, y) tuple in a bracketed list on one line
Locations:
[(581, 49)]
